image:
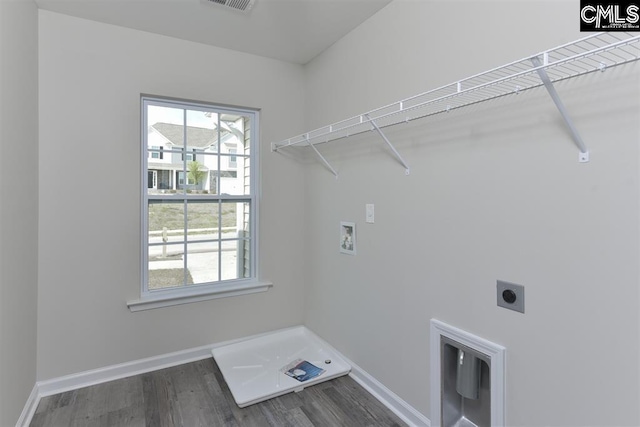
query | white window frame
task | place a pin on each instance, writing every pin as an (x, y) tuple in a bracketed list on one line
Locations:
[(150, 299)]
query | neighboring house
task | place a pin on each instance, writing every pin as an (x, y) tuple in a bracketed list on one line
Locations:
[(224, 172), (166, 167)]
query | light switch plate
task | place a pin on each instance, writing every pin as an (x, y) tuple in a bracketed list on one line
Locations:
[(504, 299), (369, 216)]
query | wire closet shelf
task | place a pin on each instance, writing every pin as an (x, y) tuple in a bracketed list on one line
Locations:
[(596, 52)]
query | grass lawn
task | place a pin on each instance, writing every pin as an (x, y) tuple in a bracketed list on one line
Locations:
[(166, 278), (199, 215)]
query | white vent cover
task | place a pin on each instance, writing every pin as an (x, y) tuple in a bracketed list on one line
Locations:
[(243, 5)]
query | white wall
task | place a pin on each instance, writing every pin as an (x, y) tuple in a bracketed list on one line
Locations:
[(91, 78), (495, 192), (19, 205)]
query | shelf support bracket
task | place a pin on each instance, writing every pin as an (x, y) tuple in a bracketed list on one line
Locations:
[(583, 156), (326, 163), (407, 170)]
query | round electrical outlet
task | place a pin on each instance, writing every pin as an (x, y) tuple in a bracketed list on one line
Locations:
[(509, 296)]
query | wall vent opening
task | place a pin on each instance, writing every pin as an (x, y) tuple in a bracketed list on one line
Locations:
[(242, 5)]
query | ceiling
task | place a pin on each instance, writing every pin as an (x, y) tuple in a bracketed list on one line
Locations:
[(289, 30)]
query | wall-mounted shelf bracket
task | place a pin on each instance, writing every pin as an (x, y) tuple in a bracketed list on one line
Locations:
[(274, 148), (326, 163), (407, 170), (583, 156)]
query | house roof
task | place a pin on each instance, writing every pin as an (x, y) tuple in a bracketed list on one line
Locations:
[(196, 137)]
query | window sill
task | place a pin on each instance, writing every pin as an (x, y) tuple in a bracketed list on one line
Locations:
[(223, 291)]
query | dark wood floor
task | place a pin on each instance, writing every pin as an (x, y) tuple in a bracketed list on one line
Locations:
[(195, 394)]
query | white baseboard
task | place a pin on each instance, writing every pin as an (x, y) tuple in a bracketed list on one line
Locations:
[(122, 370), (29, 408), (109, 373), (392, 401), (398, 406), (114, 372)]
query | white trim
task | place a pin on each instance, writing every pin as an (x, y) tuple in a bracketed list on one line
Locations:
[(497, 355), (123, 370), (128, 369), (29, 409), (180, 294), (392, 401), (221, 291)]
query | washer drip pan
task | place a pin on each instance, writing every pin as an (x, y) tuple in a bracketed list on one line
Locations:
[(254, 369)]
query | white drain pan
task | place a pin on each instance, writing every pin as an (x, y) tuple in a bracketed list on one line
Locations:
[(253, 368)]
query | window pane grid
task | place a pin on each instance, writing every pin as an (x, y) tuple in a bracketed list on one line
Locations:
[(182, 242), (154, 199), (215, 175), (218, 183)]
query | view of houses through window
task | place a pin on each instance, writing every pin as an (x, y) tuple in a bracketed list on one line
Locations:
[(198, 197)]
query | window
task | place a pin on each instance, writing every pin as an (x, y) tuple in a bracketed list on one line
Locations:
[(191, 157), (233, 159), (198, 231), (190, 179), (155, 152), (152, 179)]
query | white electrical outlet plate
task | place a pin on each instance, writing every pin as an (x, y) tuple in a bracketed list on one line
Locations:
[(369, 217)]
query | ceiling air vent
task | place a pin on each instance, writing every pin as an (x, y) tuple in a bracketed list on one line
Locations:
[(242, 5)]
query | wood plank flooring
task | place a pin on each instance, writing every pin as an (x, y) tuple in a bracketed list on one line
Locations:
[(195, 394)]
